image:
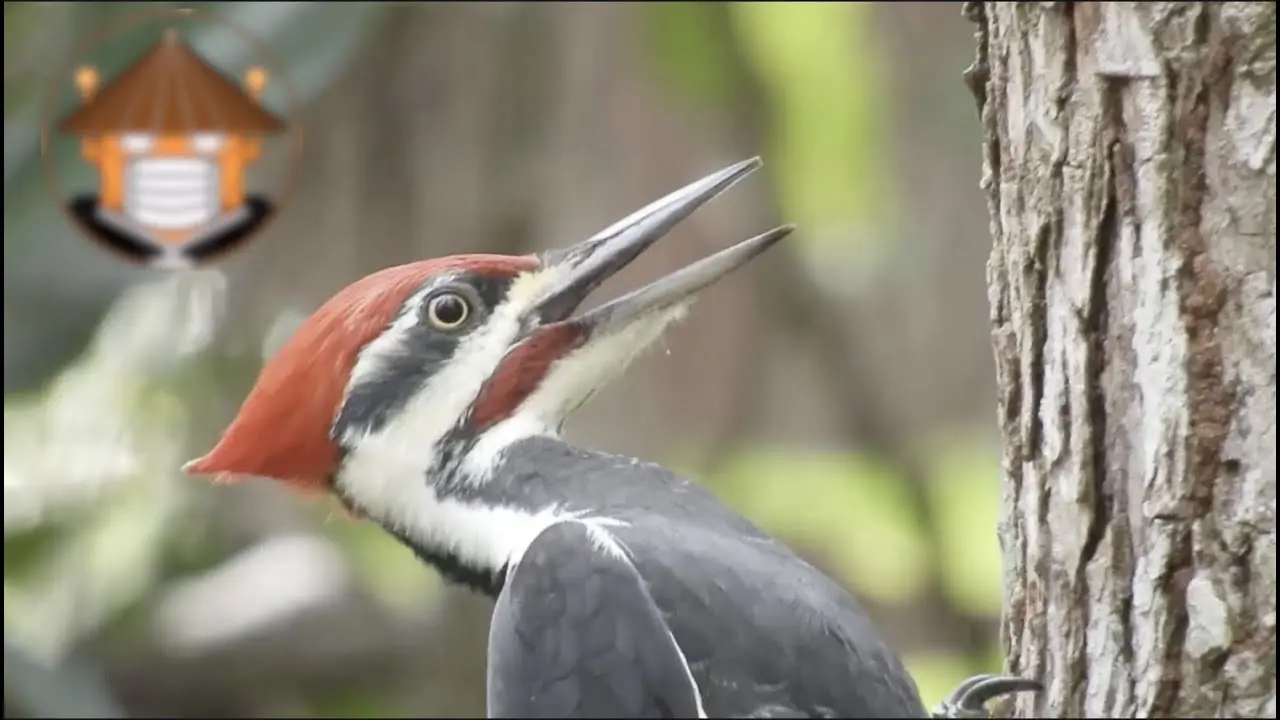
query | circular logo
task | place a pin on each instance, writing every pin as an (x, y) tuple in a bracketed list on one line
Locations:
[(158, 124)]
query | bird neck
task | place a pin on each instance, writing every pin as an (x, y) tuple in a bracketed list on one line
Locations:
[(452, 565), (470, 527)]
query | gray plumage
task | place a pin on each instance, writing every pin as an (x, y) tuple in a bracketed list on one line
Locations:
[(763, 633)]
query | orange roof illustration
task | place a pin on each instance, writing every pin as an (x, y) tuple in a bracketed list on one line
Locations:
[(171, 89)]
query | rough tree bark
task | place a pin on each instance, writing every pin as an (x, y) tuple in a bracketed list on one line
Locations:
[(1130, 172)]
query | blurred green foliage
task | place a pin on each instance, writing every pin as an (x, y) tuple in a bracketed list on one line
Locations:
[(856, 513), (845, 503), (389, 570), (965, 490), (822, 74), (352, 703), (690, 53)]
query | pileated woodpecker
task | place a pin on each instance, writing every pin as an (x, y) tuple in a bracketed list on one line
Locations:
[(429, 398)]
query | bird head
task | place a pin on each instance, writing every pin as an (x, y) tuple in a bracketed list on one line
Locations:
[(419, 376)]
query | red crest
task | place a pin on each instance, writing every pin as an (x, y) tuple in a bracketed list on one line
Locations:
[(282, 429)]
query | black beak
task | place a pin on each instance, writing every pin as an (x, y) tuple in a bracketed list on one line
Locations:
[(591, 262)]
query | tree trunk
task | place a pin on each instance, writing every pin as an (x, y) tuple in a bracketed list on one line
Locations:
[(1130, 173)]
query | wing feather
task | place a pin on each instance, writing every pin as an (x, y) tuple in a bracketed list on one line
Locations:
[(576, 634)]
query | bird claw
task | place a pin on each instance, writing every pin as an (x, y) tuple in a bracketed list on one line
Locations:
[(970, 698)]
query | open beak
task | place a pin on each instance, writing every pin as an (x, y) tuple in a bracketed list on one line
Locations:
[(591, 262)]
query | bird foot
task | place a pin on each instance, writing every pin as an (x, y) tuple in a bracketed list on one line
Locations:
[(970, 698)]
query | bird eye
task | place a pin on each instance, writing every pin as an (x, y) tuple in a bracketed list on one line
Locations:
[(448, 310)]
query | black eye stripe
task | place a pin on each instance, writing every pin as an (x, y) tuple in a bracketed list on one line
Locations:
[(482, 293), (424, 349)]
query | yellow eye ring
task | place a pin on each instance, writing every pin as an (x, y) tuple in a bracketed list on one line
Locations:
[(448, 311)]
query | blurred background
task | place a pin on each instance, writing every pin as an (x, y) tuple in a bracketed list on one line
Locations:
[(839, 391)]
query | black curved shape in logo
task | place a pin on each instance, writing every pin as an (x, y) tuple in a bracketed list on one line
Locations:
[(144, 250)]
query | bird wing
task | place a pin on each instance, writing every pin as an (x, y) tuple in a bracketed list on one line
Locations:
[(576, 634)]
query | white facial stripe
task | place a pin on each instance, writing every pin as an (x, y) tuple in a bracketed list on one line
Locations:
[(484, 536), (436, 408), (478, 536), (373, 357), (570, 381), (385, 472)]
